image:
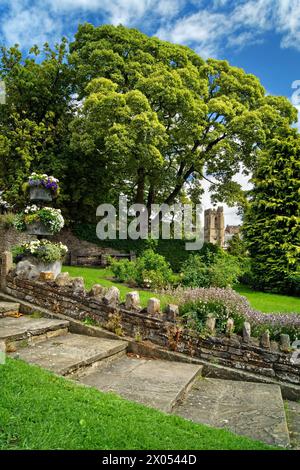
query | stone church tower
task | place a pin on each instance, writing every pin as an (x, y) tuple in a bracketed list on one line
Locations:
[(214, 226)]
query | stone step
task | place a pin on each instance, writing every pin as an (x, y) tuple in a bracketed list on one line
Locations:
[(8, 308), (252, 409), (293, 419), (156, 383), (25, 330), (66, 354)]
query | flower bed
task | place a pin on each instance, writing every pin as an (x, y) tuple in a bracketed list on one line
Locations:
[(196, 305), (50, 218)]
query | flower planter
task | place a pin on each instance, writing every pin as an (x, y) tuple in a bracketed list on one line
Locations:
[(38, 193), (38, 229), (38, 266)]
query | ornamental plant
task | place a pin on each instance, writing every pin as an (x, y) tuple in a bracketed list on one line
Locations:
[(43, 181), (44, 250), (48, 216), (195, 305)]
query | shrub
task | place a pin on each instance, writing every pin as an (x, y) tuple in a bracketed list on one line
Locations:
[(123, 270), (150, 270), (196, 305), (211, 270), (43, 250)]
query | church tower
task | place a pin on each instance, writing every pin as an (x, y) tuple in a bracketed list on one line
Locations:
[(214, 226)]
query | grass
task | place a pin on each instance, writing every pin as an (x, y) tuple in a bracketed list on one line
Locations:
[(39, 410), (264, 302), (103, 276), (270, 303)]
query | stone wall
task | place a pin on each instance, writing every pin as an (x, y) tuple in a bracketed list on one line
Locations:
[(10, 237), (67, 296)]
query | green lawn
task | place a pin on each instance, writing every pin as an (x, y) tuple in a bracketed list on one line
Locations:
[(259, 300), (39, 410), (269, 303), (103, 276)]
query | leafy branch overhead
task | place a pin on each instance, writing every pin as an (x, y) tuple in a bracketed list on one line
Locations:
[(121, 112)]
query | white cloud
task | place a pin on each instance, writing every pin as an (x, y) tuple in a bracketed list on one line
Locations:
[(242, 23), (210, 28), (27, 25)]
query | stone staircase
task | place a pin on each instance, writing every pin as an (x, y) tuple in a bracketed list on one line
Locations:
[(252, 409)]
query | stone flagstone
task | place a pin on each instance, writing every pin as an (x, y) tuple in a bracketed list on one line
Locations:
[(252, 409)]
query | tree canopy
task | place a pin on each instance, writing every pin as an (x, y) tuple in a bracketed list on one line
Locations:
[(122, 112), (158, 118)]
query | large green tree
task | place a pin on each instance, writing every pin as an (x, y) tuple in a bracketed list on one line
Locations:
[(156, 118), (34, 122), (272, 219)]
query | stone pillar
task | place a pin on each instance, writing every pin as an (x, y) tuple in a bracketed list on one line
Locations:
[(6, 266)]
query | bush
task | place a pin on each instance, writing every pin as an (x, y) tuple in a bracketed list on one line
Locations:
[(196, 305), (211, 270), (150, 270), (123, 270)]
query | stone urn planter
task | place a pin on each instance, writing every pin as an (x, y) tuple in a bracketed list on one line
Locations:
[(30, 267), (38, 193), (37, 228)]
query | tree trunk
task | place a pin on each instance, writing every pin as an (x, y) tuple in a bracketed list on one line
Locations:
[(140, 192)]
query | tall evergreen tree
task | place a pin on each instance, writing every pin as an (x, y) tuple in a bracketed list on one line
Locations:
[(272, 219)]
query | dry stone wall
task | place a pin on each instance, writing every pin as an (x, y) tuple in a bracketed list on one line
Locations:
[(67, 296)]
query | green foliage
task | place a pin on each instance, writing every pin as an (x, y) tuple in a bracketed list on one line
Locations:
[(213, 267), (123, 270), (34, 133), (156, 115), (149, 270), (173, 250), (43, 250), (237, 246), (196, 313), (7, 220), (272, 218)]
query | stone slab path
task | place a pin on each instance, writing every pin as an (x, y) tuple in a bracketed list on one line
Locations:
[(26, 326), (7, 308), (251, 409), (65, 354), (293, 419), (159, 384)]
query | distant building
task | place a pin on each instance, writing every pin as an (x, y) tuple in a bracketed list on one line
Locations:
[(214, 228), (230, 231)]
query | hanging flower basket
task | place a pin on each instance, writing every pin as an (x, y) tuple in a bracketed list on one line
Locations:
[(38, 193), (39, 221), (42, 187)]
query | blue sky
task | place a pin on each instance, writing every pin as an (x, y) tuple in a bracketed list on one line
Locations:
[(262, 36)]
